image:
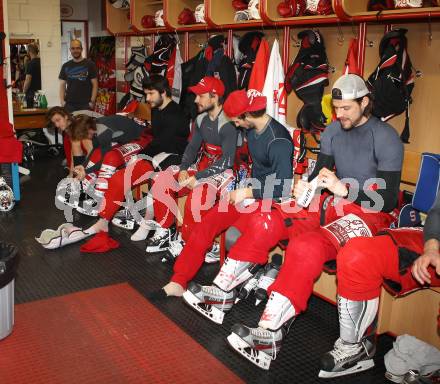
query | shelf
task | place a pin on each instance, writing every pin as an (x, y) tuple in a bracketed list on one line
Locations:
[(172, 9), (140, 8), (269, 14), (117, 20), (356, 10), (220, 14)]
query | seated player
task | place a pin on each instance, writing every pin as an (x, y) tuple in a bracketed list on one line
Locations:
[(407, 256), (210, 152), (271, 148), (170, 129), (115, 139), (357, 201), (62, 119)]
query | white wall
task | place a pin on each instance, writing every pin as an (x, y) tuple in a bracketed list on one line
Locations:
[(40, 19), (79, 7)]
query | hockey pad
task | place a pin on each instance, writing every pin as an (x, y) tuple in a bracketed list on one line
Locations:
[(65, 234)]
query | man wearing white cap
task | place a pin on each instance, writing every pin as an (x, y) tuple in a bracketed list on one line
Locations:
[(358, 170)]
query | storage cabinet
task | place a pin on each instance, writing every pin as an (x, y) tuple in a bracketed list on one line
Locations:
[(269, 13), (221, 13), (140, 8), (172, 10), (358, 10), (117, 20)]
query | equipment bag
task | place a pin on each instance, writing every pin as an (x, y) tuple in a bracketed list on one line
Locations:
[(392, 82)]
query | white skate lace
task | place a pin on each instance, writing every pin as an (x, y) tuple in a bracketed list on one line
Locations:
[(175, 248), (160, 234), (151, 224), (214, 291), (124, 214), (214, 252), (265, 281), (266, 334), (342, 351)]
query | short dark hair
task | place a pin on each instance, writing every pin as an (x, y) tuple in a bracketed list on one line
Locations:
[(57, 111), (33, 48), (158, 83), (221, 99), (79, 129), (369, 108), (254, 114)]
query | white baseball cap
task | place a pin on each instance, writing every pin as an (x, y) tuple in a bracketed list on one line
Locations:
[(349, 87)]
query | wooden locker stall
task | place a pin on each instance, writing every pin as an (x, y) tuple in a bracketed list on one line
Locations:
[(396, 315), (140, 8)]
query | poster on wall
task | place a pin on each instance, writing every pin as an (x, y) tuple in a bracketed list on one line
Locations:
[(73, 30), (102, 53)]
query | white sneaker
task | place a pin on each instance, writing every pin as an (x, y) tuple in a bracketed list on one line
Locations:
[(233, 273), (213, 255), (145, 226), (278, 311)]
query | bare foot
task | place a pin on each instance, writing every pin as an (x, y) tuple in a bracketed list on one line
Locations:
[(173, 289)]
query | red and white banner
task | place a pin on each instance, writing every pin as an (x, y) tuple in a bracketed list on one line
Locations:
[(274, 86)]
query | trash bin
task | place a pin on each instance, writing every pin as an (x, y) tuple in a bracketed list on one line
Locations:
[(8, 267)]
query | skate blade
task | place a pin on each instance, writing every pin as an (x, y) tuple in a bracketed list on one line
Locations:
[(124, 224), (155, 249), (212, 313), (211, 260), (70, 204), (260, 359), (394, 378), (359, 367), (86, 212)]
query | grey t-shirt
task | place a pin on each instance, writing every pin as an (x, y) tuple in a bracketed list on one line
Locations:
[(363, 150), (218, 132)]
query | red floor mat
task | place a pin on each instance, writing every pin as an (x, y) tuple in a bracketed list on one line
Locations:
[(105, 335)]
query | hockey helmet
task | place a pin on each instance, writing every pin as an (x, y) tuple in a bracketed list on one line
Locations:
[(120, 4), (158, 18), (253, 8), (240, 5), (242, 15), (7, 200), (199, 14), (291, 8), (147, 21), (408, 3), (186, 17)]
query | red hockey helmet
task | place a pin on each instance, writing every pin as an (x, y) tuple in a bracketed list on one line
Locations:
[(240, 5), (186, 17), (147, 21)]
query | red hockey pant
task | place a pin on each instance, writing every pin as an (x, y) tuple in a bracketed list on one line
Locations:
[(250, 246), (136, 173), (199, 201), (309, 247), (364, 263), (113, 159)]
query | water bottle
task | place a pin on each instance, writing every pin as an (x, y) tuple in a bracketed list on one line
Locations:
[(43, 101)]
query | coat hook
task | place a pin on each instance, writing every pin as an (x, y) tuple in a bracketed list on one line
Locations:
[(296, 42), (429, 29), (340, 37)]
